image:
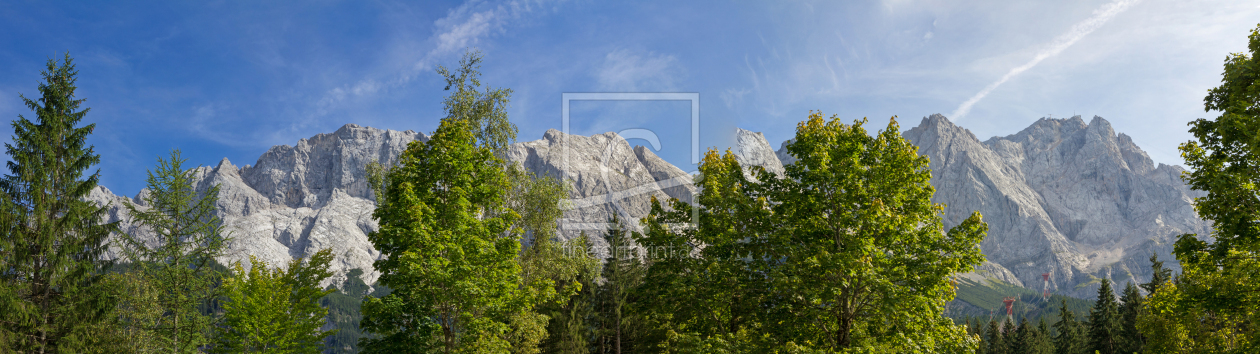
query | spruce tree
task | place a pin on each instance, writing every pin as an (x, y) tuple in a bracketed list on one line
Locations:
[(1070, 340), (993, 340), (1041, 340), (51, 288), (1104, 321), (1009, 339), (622, 273), (1159, 275), (1131, 340), (180, 267), (1023, 337)]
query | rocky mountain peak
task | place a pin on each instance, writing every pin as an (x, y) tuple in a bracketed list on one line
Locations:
[(1061, 196)]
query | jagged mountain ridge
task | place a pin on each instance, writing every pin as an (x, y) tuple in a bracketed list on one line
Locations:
[(1061, 195)]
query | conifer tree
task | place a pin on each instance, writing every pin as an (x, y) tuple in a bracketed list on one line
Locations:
[(1041, 343), (51, 288), (1159, 275), (977, 329), (1071, 338), (1131, 340), (180, 268), (622, 274), (1104, 321), (1023, 337), (1010, 338), (993, 339)]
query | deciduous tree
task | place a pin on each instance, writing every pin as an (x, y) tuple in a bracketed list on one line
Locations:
[(275, 310)]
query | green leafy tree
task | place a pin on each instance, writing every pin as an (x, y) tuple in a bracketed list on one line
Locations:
[(53, 294), (572, 326), (1104, 321), (484, 108), (846, 253), (1071, 338), (1211, 308), (724, 283), (548, 275), (273, 310), (865, 250), (180, 264), (1130, 339), (550, 269), (449, 250)]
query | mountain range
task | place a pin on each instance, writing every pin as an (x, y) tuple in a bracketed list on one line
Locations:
[(1063, 196)]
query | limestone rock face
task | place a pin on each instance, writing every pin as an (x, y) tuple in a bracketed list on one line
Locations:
[(1062, 197), (754, 150), (295, 201), (607, 177)]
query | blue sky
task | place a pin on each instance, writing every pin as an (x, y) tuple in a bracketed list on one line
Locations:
[(231, 79)]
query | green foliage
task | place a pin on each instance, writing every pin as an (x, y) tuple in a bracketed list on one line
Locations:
[(988, 293), (573, 323), (485, 110), (994, 342), (1159, 277), (1104, 321), (179, 268), (549, 272), (1129, 339), (449, 250), (1071, 338), (618, 329), (846, 254), (344, 313), (53, 291), (273, 310), (1211, 308)]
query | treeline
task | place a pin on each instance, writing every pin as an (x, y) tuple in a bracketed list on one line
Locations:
[(846, 253), (1111, 325), (58, 293)]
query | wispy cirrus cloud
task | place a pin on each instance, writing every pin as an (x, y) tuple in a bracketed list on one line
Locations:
[(1076, 33), (630, 71), (463, 27)]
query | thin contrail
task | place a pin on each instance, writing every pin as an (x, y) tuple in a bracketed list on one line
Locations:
[(1078, 31)]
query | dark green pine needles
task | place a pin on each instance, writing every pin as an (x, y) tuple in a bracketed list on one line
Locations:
[(51, 288)]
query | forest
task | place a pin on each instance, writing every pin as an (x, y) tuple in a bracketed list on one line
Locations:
[(845, 253)]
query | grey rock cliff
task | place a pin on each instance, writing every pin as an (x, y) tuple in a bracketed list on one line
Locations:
[(296, 200), (607, 177), (1062, 196)]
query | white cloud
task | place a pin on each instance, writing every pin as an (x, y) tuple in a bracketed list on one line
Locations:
[(628, 71), (462, 27), (1078, 31), (732, 96)]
